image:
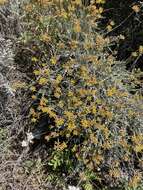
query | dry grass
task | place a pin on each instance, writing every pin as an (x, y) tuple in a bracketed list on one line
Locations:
[(13, 119), (14, 174)]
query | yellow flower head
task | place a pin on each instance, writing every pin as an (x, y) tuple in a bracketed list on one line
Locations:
[(33, 97), (45, 38), (141, 49), (111, 91), (37, 72), (85, 123), (77, 27), (136, 8), (59, 121), (33, 88), (43, 81), (100, 1), (71, 126), (53, 60), (2, 2), (34, 59)]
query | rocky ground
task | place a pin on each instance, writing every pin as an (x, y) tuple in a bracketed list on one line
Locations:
[(11, 101)]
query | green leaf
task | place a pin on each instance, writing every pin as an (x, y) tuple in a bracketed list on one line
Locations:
[(88, 186)]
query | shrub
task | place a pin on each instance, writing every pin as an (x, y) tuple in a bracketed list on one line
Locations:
[(77, 83)]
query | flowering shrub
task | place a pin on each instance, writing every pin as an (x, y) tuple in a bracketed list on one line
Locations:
[(77, 82)]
